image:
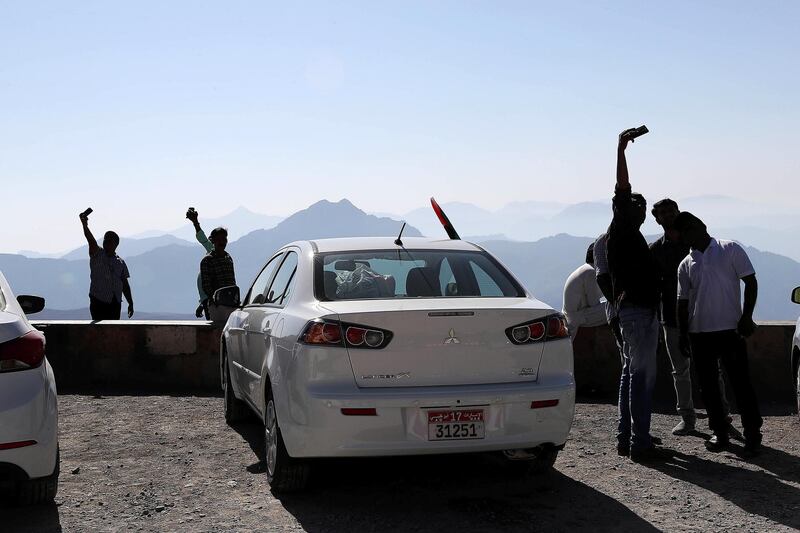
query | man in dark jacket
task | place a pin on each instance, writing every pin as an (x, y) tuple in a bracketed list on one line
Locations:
[(634, 275)]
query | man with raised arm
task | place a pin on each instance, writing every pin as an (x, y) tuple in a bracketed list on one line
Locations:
[(108, 276), (712, 319), (216, 272), (634, 278), (200, 235)]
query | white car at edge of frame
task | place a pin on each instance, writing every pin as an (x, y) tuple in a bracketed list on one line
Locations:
[(29, 461), (363, 347), (795, 355)]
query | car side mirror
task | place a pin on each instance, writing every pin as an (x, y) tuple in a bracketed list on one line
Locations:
[(227, 296), (30, 304), (796, 295)]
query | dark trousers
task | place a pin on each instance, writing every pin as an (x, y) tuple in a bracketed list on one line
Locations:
[(708, 349), (104, 310)]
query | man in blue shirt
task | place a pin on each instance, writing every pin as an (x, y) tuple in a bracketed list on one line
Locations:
[(108, 276)]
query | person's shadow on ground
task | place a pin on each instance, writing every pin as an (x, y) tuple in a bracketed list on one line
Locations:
[(755, 492)]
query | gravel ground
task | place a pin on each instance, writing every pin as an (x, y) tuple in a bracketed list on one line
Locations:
[(160, 463)]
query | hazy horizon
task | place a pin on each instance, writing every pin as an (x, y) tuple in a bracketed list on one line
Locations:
[(140, 110)]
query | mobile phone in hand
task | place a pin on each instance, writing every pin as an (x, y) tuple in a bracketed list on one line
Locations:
[(637, 132)]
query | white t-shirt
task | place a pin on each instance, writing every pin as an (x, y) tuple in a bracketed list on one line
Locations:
[(601, 267), (582, 305), (710, 280)]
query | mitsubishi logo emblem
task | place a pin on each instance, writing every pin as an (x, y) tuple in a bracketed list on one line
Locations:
[(452, 339)]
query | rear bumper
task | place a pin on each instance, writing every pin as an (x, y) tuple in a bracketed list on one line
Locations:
[(29, 412), (317, 428)]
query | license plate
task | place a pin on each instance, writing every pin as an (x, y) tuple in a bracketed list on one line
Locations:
[(460, 424)]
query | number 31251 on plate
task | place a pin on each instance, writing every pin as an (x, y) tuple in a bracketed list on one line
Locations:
[(455, 424)]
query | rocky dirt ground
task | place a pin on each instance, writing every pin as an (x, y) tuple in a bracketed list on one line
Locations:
[(160, 463)]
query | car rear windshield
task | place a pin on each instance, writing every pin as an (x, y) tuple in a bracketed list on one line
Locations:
[(401, 273)]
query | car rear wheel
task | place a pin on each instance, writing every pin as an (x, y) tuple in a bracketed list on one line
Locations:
[(544, 461), (235, 410), (284, 473), (39, 491)]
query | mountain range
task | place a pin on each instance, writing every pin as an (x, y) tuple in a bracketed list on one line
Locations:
[(164, 267)]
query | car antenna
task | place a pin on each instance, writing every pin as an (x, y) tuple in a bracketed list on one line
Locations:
[(397, 241), (448, 227)]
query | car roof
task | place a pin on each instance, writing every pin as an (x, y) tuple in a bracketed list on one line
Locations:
[(387, 243)]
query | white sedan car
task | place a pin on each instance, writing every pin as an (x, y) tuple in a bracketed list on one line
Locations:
[(28, 404), (365, 347)]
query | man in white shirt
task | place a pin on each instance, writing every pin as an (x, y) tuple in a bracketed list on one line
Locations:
[(582, 297), (712, 320)]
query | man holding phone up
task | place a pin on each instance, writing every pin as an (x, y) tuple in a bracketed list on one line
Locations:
[(634, 277), (108, 275)]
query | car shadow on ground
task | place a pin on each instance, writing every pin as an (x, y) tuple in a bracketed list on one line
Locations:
[(473, 492), (33, 519), (252, 431), (756, 492)]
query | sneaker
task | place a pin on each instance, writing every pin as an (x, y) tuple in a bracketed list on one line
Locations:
[(656, 440), (717, 442), (649, 455), (623, 449), (684, 427)]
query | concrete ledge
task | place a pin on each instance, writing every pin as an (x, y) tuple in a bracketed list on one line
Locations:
[(141, 355), (597, 364), (181, 356)]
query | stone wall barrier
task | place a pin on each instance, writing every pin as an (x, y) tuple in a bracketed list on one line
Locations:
[(179, 357)]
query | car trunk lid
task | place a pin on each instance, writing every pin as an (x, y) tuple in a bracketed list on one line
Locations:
[(443, 341)]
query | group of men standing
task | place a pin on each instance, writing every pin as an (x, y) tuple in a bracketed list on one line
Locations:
[(684, 288), (109, 274)]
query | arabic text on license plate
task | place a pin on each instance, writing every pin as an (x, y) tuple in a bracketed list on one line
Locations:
[(455, 425)]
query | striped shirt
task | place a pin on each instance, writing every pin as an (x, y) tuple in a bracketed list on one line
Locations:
[(107, 273)]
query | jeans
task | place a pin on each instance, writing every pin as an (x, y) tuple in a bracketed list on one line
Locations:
[(640, 329), (681, 372), (726, 346)]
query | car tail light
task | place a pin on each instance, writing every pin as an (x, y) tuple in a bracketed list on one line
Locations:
[(557, 327), (329, 333), (541, 329), (23, 352), (322, 332)]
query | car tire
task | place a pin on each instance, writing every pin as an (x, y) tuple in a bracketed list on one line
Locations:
[(284, 473), (42, 490), (543, 463), (235, 410)]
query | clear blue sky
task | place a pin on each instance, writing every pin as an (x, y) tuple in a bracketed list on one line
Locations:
[(140, 109)]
